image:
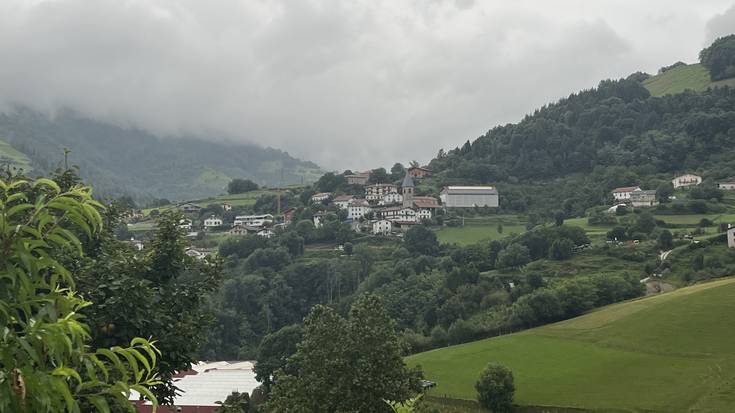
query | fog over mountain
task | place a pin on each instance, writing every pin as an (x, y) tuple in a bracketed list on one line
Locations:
[(345, 84)]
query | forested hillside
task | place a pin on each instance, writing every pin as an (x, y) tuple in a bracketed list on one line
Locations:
[(569, 155), (120, 161)]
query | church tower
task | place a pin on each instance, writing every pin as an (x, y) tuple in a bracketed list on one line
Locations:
[(407, 189)]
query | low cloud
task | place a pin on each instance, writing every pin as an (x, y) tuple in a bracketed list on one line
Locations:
[(345, 84)]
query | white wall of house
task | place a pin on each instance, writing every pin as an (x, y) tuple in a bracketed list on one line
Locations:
[(726, 186), (686, 180), (731, 237), (357, 211), (382, 226)]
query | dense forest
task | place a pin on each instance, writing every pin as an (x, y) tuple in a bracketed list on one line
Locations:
[(124, 161), (570, 154)]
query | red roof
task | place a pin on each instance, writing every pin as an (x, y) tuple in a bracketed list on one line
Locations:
[(426, 202)]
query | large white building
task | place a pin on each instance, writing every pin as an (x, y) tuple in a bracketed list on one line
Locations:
[(392, 199), (376, 192), (396, 214), (469, 196), (644, 199), (253, 220)]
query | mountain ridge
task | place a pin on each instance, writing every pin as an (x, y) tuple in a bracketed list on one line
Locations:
[(125, 161)]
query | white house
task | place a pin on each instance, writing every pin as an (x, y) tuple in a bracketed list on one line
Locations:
[(213, 222), (185, 224), (623, 193), (425, 206), (731, 237), (343, 201), (253, 220), (357, 209), (396, 214), (321, 197), (643, 198), (376, 192), (393, 198), (200, 255), (382, 227), (469, 196), (727, 186), (266, 233), (686, 180), (227, 207)]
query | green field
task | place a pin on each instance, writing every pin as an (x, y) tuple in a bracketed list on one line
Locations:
[(694, 77), (245, 199), (9, 155), (482, 228), (668, 353)]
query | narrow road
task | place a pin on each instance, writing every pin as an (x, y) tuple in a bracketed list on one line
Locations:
[(664, 255)]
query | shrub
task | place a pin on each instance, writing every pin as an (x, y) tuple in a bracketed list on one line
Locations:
[(495, 388)]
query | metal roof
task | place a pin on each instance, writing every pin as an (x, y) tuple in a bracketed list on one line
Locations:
[(470, 189), (213, 382)]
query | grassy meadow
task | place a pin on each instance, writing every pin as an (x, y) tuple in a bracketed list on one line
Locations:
[(689, 77), (485, 228), (667, 353), (9, 155)]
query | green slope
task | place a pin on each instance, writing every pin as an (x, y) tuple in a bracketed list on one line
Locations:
[(669, 353), (688, 77), (14, 158)]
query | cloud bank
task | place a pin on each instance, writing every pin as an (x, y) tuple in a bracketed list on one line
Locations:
[(351, 84)]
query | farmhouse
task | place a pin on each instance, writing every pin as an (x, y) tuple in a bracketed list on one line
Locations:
[(357, 209), (253, 220), (360, 178), (321, 197), (727, 186), (469, 196), (425, 206), (242, 230), (686, 180), (419, 172), (376, 192), (212, 222), (396, 214), (643, 198), (623, 193), (189, 208), (343, 201), (227, 207), (382, 227), (185, 224)]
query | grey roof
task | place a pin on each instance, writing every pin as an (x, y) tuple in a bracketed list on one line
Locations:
[(407, 181), (470, 190)]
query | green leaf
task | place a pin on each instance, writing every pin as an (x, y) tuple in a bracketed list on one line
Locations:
[(99, 403)]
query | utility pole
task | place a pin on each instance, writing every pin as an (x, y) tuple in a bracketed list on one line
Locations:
[(67, 151)]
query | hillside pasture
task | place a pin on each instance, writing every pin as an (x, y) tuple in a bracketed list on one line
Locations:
[(13, 157), (666, 353), (693, 77), (478, 229)]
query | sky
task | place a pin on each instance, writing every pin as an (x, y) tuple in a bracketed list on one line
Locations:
[(347, 84)]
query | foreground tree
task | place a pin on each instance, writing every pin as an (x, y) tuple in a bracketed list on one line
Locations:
[(46, 363), (343, 365), (159, 293), (495, 388)]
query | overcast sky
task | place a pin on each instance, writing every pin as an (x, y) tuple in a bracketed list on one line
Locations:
[(347, 84)]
